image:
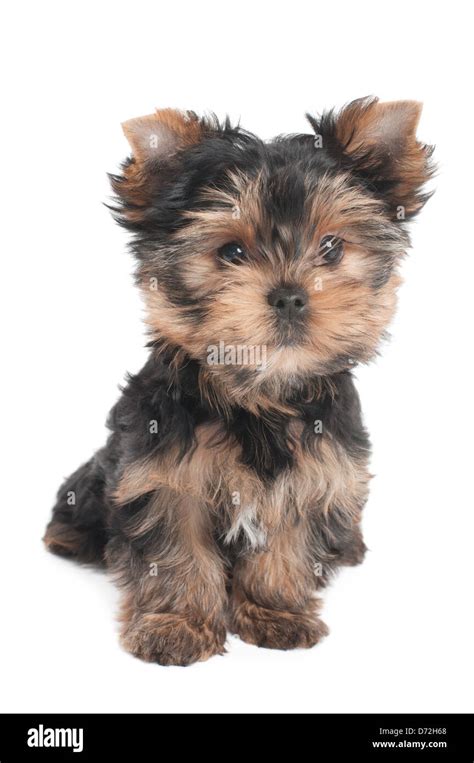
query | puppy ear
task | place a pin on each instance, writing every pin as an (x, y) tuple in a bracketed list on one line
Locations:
[(162, 134), (388, 127), (377, 141), (156, 140)]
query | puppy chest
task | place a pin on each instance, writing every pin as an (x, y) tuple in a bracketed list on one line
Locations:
[(246, 507)]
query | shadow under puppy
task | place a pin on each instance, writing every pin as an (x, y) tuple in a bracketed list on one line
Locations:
[(232, 483)]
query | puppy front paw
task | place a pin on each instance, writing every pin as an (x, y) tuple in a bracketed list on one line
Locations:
[(170, 639), (276, 629)]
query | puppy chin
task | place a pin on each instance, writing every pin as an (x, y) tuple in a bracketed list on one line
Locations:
[(292, 361), (283, 371)]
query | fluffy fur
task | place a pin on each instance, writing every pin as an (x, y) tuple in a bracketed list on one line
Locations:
[(229, 492)]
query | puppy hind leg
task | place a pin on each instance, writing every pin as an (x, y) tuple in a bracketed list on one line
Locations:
[(78, 526)]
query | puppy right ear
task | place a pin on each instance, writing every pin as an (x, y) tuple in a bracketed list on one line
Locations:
[(162, 134), (156, 141)]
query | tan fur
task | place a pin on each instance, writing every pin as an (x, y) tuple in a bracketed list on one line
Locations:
[(343, 308), (164, 132), (273, 602), (212, 474), (176, 606), (153, 137), (368, 124)]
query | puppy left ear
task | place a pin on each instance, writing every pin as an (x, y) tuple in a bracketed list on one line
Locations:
[(390, 127), (377, 141)]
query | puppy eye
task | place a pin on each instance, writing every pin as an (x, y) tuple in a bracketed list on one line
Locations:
[(331, 250), (233, 252)]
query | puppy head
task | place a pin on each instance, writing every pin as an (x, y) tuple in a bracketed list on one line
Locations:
[(272, 262)]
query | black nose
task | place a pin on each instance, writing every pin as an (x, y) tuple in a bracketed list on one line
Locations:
[(288, 302)]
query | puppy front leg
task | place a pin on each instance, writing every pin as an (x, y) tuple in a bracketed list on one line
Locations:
[(273, 600), (173, 611)]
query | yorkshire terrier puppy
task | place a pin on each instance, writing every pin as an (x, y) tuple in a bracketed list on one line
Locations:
[(232, 484)]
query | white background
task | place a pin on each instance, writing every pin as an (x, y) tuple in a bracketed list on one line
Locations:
[(402, 624)]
